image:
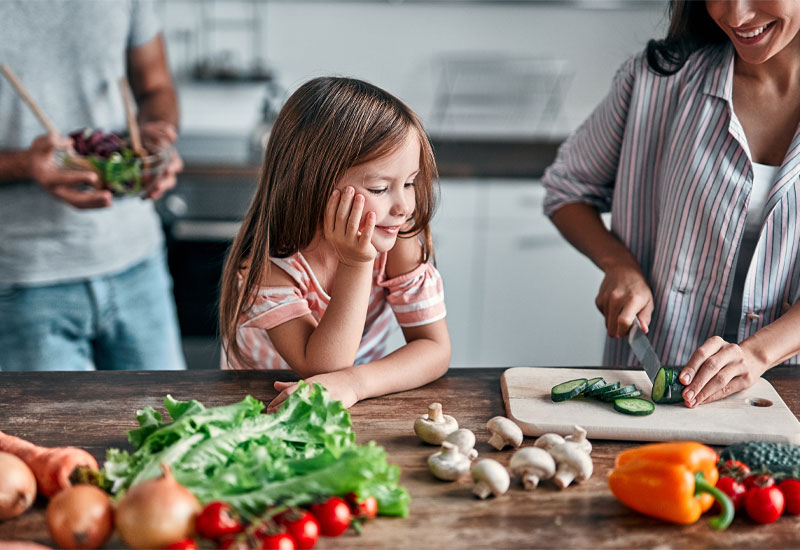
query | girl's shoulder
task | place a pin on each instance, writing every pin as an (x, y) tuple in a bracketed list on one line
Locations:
[(282, 272), (405, 256)]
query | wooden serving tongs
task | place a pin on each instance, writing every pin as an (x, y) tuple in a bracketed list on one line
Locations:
[(130, 115), (40, 114)]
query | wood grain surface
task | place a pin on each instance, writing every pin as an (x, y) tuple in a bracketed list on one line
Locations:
[(756, 414), (92, 410)]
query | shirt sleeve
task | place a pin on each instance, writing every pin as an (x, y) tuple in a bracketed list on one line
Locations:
[(417, 297), (275, 306), (144, 23), (586, 164)]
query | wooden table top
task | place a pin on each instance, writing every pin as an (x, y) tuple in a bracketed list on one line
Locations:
[(93, 410)]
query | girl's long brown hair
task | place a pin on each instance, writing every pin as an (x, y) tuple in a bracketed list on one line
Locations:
[(328, 125)]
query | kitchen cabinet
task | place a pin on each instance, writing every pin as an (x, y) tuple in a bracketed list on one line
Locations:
[(516, 292)]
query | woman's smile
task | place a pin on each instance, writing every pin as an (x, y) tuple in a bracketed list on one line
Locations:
[(753, 35)]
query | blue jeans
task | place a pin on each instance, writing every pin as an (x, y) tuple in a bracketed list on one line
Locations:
[(124, 321)]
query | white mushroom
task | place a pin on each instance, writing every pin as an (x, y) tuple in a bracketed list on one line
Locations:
[(579, 436), (464, 439), (548, 441), (434, 427), (490, 478), (531, 465), (504, 432), (572, 464), (448, 463)]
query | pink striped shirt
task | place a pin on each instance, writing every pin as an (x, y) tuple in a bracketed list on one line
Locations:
[(669, 158), (414, 299)]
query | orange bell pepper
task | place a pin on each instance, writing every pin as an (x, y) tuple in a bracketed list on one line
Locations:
[(671, 481)]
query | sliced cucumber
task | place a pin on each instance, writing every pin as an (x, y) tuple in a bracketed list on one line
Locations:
[(606, 390), (597, 389), (624, 391), (593, 383), (634, 406), (666, 388), (568, 390)]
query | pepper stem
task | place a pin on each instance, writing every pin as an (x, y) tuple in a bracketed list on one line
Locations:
[(725, 503)]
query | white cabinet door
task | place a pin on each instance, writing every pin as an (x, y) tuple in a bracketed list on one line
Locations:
[(538, 293)]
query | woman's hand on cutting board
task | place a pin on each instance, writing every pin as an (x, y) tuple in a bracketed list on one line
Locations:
[(718, 369)]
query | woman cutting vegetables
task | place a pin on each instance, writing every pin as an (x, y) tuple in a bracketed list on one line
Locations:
[(696, 153)]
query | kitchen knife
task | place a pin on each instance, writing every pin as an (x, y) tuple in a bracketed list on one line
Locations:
[(643, 350)]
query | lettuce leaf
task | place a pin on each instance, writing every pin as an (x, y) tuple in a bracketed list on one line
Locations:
[(304, 451)]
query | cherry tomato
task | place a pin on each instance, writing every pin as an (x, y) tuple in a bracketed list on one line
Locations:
[(734, 489), (276, 541), (759, 480), (217, 520), (333, 516), (185, 544), (791, 494), (302, 526), (366, 509), (764, 504), (734, 468)]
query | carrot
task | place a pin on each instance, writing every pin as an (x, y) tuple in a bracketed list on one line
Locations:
[(51, 466)]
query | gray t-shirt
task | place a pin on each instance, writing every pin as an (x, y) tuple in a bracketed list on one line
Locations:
[(70, 56)]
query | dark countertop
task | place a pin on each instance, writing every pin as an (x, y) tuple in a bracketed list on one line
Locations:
[(92, 410)]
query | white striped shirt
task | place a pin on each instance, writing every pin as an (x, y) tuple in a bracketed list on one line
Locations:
[(668, 157)]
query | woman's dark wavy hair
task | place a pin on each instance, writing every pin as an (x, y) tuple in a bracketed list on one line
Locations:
[(690, 28)]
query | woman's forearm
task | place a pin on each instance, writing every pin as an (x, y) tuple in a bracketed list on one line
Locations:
[(583, 227), (14, 166), (778, 341)]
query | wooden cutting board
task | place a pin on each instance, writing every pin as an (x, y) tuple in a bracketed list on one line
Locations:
[(756, 414)]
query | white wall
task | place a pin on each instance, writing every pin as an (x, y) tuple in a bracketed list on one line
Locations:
[(394, 44)]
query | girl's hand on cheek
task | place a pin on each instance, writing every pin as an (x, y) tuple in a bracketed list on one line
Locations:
[(716, 370), (341, 227)]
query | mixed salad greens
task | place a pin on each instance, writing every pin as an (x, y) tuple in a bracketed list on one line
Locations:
[(114, 161), (238, 455)]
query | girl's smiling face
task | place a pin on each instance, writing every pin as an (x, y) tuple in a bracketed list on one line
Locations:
[(387, 185), (759, 29)]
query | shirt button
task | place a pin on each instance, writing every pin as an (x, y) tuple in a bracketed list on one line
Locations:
[(752, 316)]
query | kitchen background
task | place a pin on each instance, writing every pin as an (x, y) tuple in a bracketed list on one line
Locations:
[(499, 85)]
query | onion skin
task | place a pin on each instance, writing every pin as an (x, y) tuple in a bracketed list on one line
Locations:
[(156, 513), (80, 516), (17, 486)]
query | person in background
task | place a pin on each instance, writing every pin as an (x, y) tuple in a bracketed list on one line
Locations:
[(696, 153), (83, 278), (336, 242)]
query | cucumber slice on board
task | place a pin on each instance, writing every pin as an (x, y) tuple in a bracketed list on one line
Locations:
[(634, 406), (593, 384), (666, 388), (606, 390), (568, 390), (624, 391)]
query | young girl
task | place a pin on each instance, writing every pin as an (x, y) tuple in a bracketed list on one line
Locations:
[(336, 241)]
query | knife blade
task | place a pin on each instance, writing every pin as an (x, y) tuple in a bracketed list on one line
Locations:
[(643, 350)]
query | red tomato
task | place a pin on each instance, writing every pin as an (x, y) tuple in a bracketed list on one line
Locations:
[(366, 509), (186, 544), (764, 504), (759, 480), (333, 516), (734, 489), (791, 494), (734, 468), (302, 526), (217, 520), (276, 541)]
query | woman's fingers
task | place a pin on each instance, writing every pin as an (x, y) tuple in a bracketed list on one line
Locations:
[(709, 348), (713, 356), (722, 385)]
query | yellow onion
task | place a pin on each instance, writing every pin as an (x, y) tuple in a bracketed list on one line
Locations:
[(157, 512), (17, 486), (80, 516)]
